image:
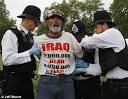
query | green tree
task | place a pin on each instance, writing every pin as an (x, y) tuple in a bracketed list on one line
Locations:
[(77, 10), (5, 21), (119, 9), (41, 29)]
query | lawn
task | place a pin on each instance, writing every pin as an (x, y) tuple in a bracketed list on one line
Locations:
[(0, 62), (0, 68)]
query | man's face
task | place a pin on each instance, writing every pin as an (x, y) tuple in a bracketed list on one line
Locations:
[(98, 28), (31, 24), (55, 24)]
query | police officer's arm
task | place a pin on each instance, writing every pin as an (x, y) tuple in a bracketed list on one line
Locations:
[(103, 40), (10, 53)]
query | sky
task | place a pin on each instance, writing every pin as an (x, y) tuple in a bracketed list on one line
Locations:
[(15, 7)]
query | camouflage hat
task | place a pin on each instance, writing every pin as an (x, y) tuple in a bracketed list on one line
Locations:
[(54, 12)]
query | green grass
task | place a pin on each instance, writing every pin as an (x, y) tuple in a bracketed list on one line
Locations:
[(35, 83), (0, 62), (0, 68)]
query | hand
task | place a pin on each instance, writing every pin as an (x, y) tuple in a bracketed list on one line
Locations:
[(34, 50), (79, 63), (79, 70)]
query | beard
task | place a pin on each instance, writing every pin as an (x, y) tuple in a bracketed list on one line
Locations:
[(55, 28)]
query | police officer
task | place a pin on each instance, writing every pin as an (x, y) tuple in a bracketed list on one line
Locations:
[(108, 41), (18, 55), (86, 75)]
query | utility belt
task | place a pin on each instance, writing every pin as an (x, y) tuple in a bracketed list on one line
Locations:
[(118, 80), (24, 75), (21, 74), (115, 83), (11, 70), (83, 76)]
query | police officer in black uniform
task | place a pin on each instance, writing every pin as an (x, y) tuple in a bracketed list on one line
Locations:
[(109, 42), (86, 75), (18, 55)]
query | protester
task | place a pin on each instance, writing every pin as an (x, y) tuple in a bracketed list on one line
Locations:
[(108, 41), (58, 52), (87, 84), (18, 56)]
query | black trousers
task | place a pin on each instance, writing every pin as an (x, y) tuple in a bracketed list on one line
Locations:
[(115, 89), (19, 86), (87, 89)]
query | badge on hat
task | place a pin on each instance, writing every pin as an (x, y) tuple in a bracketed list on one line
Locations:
[(74, 29)]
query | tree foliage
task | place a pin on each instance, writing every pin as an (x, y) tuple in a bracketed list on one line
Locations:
[(76, 10), (5, 21), (119, 8)]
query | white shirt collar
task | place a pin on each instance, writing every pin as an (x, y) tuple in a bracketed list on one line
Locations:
[(23, 29)]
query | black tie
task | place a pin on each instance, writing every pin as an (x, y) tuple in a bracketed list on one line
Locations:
[(29, 34), (29, 37)]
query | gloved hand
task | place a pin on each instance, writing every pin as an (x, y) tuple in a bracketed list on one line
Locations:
[(79, 70), (80, 66), (34, 50), (79, 63)]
